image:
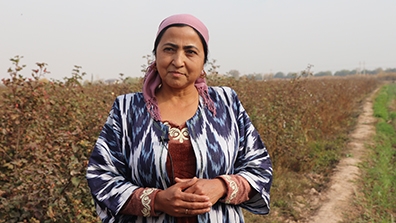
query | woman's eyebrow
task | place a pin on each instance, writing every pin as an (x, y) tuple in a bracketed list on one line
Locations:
[(190, 47), (171, 45), (184, 47)]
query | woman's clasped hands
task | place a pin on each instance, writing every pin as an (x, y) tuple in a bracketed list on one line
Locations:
[(190, 197)]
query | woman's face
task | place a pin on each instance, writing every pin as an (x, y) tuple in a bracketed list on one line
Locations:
[(180, 57)]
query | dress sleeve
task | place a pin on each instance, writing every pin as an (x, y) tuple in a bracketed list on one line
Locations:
[(107, 168), (253, 161), (141, 203), (238, 189)]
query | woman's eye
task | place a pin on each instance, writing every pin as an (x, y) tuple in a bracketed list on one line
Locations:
[(168, 49), (191, 52)]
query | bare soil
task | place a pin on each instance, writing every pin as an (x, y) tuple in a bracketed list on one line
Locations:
[(337, 200)]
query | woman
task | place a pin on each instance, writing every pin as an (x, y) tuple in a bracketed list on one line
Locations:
[(179, 151)]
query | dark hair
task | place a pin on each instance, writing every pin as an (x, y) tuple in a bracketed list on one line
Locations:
[(158, 39)]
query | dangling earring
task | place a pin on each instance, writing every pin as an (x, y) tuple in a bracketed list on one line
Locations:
[(203, 74)]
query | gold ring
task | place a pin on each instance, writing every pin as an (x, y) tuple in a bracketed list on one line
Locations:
[(186, 211)]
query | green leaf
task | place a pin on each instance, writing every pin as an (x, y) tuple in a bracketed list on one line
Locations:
[(75, 181)]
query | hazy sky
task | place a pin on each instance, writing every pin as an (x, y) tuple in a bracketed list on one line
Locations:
[(253, 36)]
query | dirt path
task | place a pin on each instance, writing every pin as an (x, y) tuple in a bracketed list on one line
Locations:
[(336, 200)]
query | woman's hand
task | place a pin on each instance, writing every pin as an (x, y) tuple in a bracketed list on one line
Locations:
[(178, 203), (212, 188)]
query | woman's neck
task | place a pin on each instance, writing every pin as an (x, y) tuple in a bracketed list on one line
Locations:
[(177, 106), (183, 97)]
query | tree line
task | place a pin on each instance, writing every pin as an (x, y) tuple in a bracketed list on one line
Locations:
[(341, 73)]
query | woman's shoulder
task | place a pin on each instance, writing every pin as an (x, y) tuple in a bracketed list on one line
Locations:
[(133, 96), (223, 95), (134, 99), (221, 90)]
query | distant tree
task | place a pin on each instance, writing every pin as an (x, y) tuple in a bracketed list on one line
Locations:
[(379, 70), (355, 71), (255, 76), (371, 72), (249, 76), (234, 73), (258, 76), (291, 75), (279, 75), (323, 73), (342, 73), (390, 70), (268, 76)]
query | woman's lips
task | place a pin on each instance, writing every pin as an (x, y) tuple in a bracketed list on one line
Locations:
[(176, 73)]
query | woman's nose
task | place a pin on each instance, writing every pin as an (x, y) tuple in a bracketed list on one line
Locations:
[(178, 60)]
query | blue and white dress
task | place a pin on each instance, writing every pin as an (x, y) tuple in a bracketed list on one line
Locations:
[(131, 152)]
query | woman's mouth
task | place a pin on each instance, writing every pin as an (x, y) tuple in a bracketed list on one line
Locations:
[(175, 73)]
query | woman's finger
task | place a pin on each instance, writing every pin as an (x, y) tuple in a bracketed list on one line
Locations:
[(185, 183)]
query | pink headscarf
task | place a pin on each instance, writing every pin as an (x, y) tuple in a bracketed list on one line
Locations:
[(152, 79)]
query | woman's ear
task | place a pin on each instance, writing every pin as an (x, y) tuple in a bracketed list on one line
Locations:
[(203, 74)]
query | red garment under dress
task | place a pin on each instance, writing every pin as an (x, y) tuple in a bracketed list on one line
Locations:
[(183, 163)]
